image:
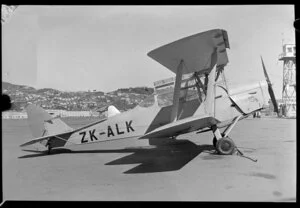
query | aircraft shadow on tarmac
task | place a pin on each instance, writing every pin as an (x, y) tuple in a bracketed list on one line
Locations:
[(162, 158)]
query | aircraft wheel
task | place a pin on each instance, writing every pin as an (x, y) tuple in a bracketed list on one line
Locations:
[(225, 146), (215, 140)]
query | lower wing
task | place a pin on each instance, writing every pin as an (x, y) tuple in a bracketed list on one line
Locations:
[(181, 127)]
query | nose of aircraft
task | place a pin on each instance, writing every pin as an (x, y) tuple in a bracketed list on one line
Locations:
[(250, 98)]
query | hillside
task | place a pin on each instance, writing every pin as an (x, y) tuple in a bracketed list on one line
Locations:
[(124, 98)]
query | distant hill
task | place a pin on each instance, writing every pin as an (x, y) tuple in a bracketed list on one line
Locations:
[(137, 90), (48, 98), (9, 86)]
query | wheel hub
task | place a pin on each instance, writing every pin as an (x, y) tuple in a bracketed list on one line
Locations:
[(225, 146)]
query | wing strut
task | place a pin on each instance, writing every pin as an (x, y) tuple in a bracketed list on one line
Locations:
[(199, 83), (210, 92), (176, 95)]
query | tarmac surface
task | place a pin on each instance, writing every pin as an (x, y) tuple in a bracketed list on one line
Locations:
[(187, 170)]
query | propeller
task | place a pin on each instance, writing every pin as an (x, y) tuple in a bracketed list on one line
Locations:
[(270, 89)]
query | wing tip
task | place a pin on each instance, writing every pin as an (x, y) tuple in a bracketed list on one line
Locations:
[(27, 143), (23, 145), (33, 141), (150, 53)]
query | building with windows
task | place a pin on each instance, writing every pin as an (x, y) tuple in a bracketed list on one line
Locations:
[(14, 115)]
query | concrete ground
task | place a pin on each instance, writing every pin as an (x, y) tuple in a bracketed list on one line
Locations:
[(131, 170)]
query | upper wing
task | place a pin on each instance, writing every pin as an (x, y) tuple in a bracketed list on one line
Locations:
[(200, 52), (181, 126)]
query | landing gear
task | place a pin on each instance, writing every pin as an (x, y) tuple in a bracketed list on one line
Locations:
[(225, 146), (215, 140), (49, 147), (49, 150)]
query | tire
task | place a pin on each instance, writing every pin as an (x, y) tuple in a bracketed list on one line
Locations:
[(215, 140), (225, 146)]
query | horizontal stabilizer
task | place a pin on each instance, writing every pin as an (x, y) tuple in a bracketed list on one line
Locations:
[(44, 138), (181, 126), (35, 141)]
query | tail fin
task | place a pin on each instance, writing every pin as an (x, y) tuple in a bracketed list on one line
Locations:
[(41, 123)]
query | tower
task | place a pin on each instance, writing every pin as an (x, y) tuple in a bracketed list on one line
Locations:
[(288, 56)]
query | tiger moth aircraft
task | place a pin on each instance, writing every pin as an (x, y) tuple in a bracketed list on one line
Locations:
[(196, 100)]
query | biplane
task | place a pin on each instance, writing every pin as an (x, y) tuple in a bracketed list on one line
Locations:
[(197, 99)]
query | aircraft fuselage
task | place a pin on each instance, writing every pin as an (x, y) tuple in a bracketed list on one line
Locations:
[(137, 122)]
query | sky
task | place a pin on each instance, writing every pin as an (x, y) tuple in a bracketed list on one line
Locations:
[(78, 48)]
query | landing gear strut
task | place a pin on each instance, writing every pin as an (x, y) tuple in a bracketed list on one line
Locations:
[(49, 147), (49, 150), (223, 144), (215, 140)]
